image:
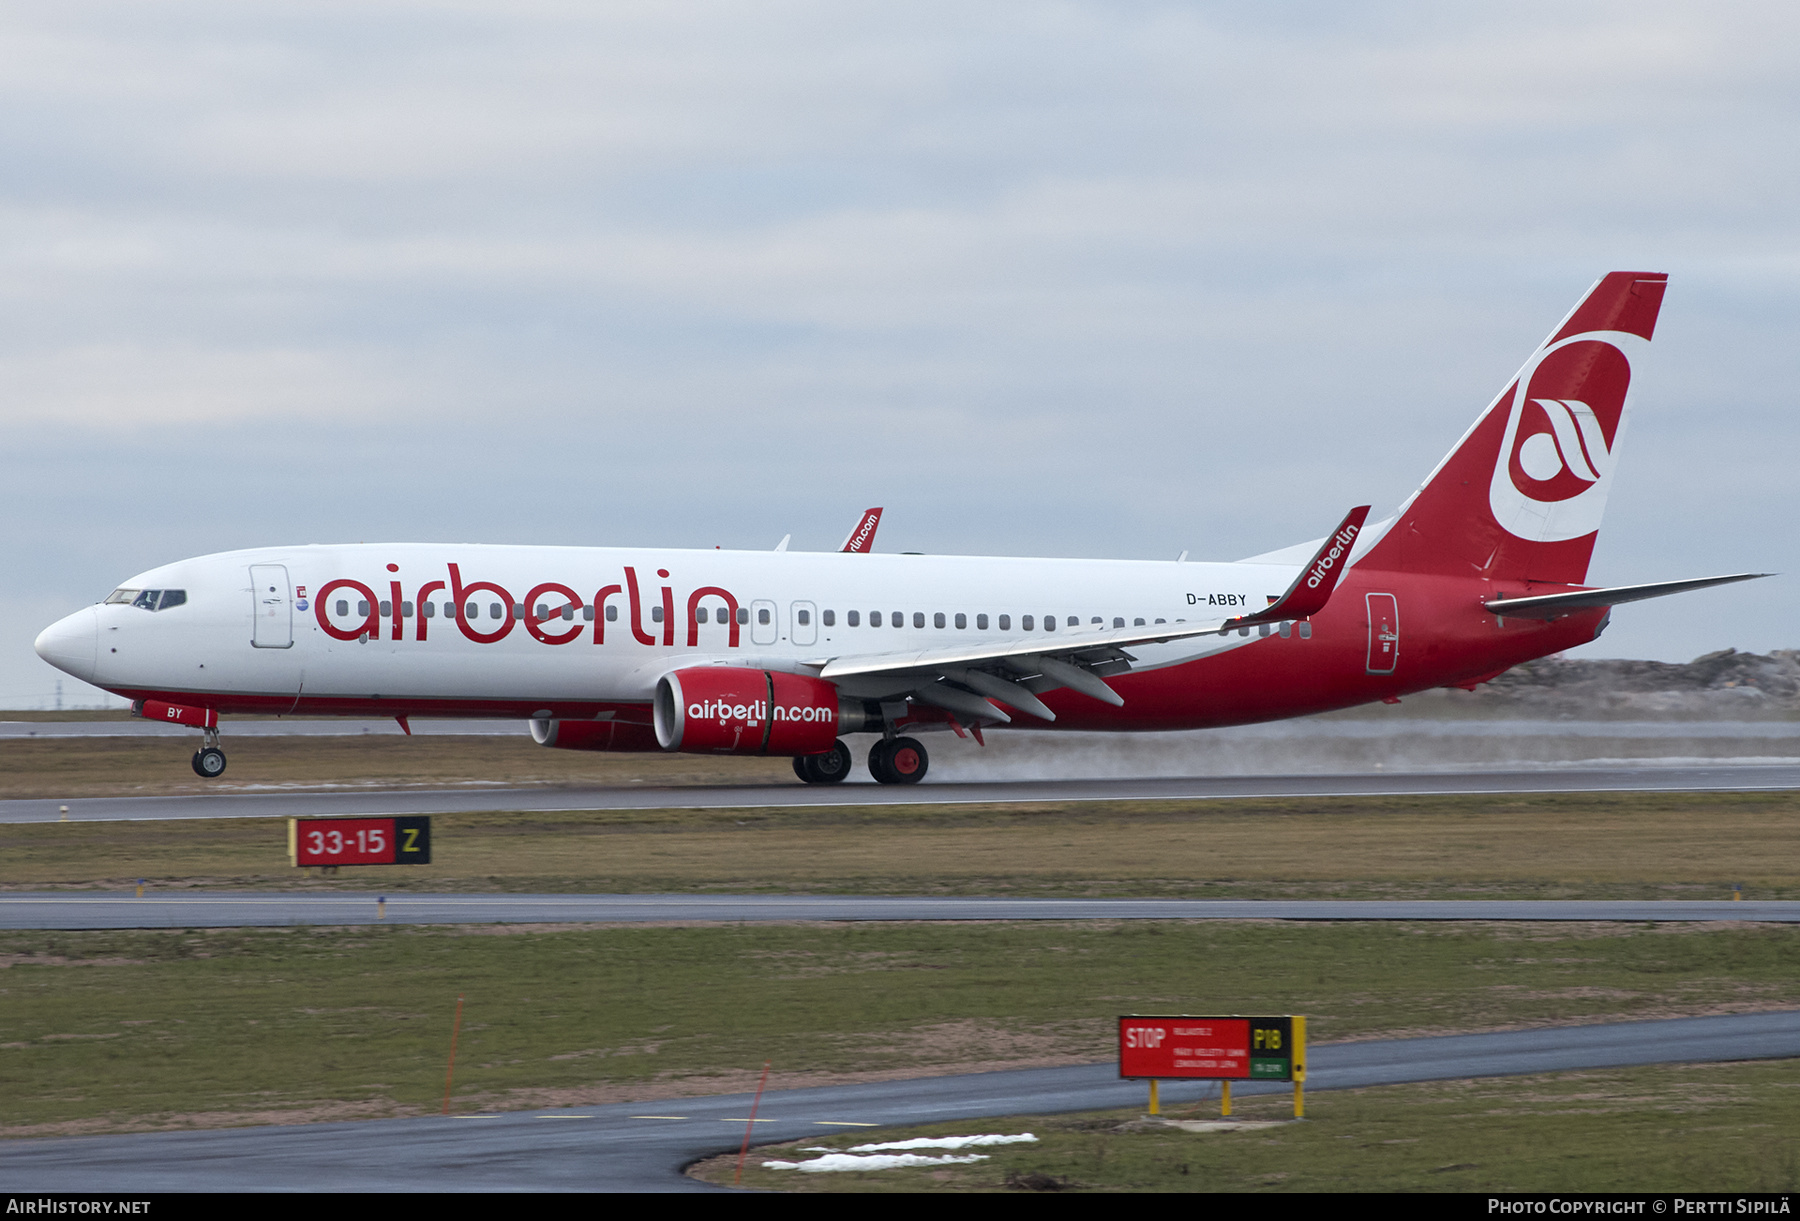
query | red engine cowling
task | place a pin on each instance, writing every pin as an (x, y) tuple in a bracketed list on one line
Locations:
[(731, 710), (593, 735)]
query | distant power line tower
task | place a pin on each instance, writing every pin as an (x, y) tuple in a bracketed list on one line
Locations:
[(59, 695)]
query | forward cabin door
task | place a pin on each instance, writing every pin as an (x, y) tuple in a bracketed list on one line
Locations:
[(272, 597), (1384, 633)]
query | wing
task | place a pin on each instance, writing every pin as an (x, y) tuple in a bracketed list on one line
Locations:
[(964, 680)]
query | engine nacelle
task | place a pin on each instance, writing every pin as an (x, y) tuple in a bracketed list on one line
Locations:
[(593, 735), (731, 710)]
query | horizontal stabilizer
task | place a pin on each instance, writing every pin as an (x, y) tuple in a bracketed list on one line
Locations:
[(1554, 606)]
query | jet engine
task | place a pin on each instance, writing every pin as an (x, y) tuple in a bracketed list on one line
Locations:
[(733, 710)]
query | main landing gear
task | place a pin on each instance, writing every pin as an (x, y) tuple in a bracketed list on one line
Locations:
[(828, 768), (209, 760), (898, 761)]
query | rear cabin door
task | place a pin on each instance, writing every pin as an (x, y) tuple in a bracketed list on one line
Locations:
[(272, 598), (1384, 633)]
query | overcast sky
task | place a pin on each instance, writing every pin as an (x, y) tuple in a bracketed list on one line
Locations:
[(1113, 279)]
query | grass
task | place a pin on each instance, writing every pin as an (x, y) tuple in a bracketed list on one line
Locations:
[(1668, 1128), (1661, 845), (120, 1030)]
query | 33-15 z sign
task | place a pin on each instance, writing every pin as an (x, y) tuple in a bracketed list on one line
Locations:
[(359, 841)]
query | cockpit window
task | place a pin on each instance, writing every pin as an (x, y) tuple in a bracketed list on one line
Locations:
[(147, 599)]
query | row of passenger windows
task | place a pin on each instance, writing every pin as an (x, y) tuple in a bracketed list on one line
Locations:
[(498, 610)]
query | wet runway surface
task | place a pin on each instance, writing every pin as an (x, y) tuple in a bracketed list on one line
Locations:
[(644, 1146), (212, 909), (1647, 778)]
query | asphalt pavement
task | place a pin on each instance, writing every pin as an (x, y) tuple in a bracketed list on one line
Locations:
[(217, 909), (1699, 778)]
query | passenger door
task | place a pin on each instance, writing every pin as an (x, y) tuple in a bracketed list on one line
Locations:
[(272, 598)]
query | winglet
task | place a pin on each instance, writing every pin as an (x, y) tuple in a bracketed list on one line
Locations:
[(862, 538), (1312, 588)]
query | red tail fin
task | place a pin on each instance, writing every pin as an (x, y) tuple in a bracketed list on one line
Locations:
[(862, 535), (1520, 497)]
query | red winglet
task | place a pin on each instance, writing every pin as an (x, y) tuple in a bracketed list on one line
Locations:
[(1312, 588), (862, 538)]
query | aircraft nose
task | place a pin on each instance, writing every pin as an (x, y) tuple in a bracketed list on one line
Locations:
[(70, 644)]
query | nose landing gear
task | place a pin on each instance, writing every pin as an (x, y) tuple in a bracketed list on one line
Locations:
[(209, 760)]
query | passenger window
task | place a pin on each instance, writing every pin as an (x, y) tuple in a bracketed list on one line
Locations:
[(803, 617), (1162, 620), (898, 619), (1306, 631), (1025, 621), (874, 618), (981, 623), (656, 614), (1137, 623), (494, 611), (1006, 624), (387, 608), (343, 607), (1049, 623), (472, 612), (1075, 620), (762, 617), (362, 608), (743, 614), (428, 609), (830, 618), (962, 621), (937, 619), (612, 614), (1118, 621), (406, 610), (568, 613), (518, 611), (587, 614), (918, 618), (853, 618), (700, 615)]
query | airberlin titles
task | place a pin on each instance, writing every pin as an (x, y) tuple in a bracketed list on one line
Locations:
[(466, 599)]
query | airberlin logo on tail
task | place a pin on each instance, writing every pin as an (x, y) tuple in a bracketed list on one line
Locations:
[(1340, 543), (1565, 415)]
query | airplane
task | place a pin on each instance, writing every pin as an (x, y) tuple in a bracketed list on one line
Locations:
[(784, 653)]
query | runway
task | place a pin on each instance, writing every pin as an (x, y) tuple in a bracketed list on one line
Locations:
[(1650, 778), (644, 1146), (213, 909)]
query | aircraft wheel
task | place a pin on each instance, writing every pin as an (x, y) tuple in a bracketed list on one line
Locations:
[(907, 761), (209, 763), (827, 768), (878, 762)]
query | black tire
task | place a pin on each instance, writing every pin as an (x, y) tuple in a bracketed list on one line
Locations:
[(878, 763), (833, 766), (907, 761), (209, 763)]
